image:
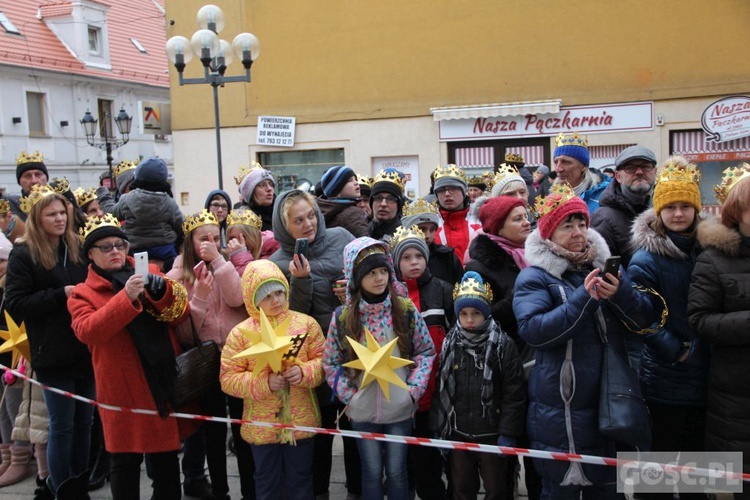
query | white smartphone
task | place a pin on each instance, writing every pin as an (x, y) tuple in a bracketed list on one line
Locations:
[(141, 265)]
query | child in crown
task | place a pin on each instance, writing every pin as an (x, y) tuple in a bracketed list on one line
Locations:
[(480, 395)]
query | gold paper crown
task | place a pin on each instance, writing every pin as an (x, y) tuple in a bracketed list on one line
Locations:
[(38, 191), (4, 207), (471, 286), (363, 179), (60, 184), (25, 157), (366, 252), (514, 157), (84, 196), (449, 170), (419, 206), (571, 140), (504, 170), (730, 179), (404, 233), (93, 223), (676, 172), (202, 218), (124, 166), (244, 170), (476, 180), (558, 194), (391, 176), (246, 217)]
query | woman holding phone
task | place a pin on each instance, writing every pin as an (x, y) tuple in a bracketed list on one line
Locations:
[(313, 275)]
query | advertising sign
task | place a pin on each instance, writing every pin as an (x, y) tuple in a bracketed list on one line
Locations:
[(727, 119), (408, 165), (276, 131), (157, 117)]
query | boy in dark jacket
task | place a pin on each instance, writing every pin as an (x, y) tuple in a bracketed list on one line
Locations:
[(481, 391), (338, 201)]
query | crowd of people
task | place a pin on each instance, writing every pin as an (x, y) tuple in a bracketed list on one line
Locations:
[(489, 295)]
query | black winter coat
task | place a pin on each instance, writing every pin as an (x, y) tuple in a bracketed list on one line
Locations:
[(37, 297), (719, 312), (444, 264)]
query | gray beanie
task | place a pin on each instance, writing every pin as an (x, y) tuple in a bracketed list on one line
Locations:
[(404, 243), (266, 289), (451, 181), (413, 220)]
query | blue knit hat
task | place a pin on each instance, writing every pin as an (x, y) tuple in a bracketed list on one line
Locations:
[(334, 179), (151, 170), (573, 146), (472, 291)]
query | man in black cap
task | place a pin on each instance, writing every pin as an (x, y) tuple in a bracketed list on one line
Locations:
[(386, 201), (30, 170), (627, 196)]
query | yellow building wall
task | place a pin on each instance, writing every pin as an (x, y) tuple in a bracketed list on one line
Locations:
[(336, 60)]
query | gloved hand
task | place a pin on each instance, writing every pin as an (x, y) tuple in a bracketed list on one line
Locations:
[(508, 441), (156, 287)]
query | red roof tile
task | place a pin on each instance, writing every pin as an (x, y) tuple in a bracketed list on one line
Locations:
[(38, 46)]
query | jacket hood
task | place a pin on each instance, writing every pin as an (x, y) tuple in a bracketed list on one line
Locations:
[(475, 207), (644, 237), (352, 249), (257, 273), (539, 255), (283, 236), (712, 233), (221, 192)]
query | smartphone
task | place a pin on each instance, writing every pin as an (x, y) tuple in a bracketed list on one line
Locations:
[(300, 246), (611, 266), (141, 265)]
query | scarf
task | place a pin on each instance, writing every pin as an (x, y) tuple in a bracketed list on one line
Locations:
[(151, 339), (586, 183), (578, 259), (482, 345), (515, 250)]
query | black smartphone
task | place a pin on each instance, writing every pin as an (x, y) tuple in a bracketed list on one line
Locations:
[(300, 247), (611, 266)]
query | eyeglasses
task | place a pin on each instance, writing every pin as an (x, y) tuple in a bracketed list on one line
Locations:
[(632, 167), (385, 198), (107, 247), (447, 189), (218, 206)]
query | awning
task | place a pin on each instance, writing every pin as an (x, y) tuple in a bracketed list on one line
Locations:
[(493, 110), (607, 152)]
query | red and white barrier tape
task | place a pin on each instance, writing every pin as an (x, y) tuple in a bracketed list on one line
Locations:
[(417, 441)]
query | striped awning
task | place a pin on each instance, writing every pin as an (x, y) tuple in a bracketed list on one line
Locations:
[(479, 157), (493, 110), (694, 141), (532, 155), (607, 152)]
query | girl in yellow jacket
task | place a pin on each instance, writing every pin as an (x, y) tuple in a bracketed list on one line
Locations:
[(283, 458)]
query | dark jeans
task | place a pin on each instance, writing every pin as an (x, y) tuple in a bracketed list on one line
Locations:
[(468, 466), (69, 425), (242, 451), (377, 455), (323, 460), (126, 475), (283, 470), (426, 462)]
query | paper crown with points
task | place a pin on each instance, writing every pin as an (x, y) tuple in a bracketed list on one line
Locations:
[(558, 194), (419, 206), (477, 180), (25, 157), (449, 170), (676, 172), (244, 170), (470, 286), (4, 207), (571, 140), (504, 170), (93, 223), (514, 158), (405, 233), (246, 217), (84, 196), (202, 218), (730, 179), (124, 166), (366, 252), (38, 191), (60, 184), (489, 179), (365, 180), (390, 176)]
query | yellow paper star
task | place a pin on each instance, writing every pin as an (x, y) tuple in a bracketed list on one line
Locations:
[(377, 363), (270, 346), (16, 340)]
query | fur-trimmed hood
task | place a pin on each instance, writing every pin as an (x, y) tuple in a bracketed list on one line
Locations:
[(539, 255), (712, 233), (475, 207), (644, 237)]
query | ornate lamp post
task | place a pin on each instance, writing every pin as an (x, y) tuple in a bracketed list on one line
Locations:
[(215, 55), (123, 121)]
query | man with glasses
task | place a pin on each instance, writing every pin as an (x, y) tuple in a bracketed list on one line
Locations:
[(627, 196), (386, 202), (457, 227), (219, 204)]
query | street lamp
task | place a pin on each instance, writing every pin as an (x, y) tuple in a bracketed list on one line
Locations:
[(215, 55), (123, 121)]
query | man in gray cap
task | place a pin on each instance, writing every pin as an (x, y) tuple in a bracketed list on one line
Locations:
[(626, 197)]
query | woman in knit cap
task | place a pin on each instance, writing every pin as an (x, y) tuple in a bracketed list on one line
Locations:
[(338, 202), (258, 193), (674, 363), (719, 313), (563, 307)]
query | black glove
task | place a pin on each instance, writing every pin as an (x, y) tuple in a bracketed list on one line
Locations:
[(157, 286)]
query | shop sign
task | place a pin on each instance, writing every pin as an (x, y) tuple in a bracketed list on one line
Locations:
[(727, 119), (276, 131), (583, 119)]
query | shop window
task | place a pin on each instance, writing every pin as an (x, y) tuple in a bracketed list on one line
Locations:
[(35, 112), (95, 37), (297, 168)]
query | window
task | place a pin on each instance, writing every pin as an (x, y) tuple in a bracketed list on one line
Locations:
[(293, 168), (106, 128), (35, 112), (9, 27), (138, 45), (94, 40)]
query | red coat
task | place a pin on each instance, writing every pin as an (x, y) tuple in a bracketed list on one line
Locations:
[(100, 318)]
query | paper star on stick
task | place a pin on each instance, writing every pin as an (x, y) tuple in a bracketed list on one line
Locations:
[(16, 340), (272, 344), (378, 363)]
